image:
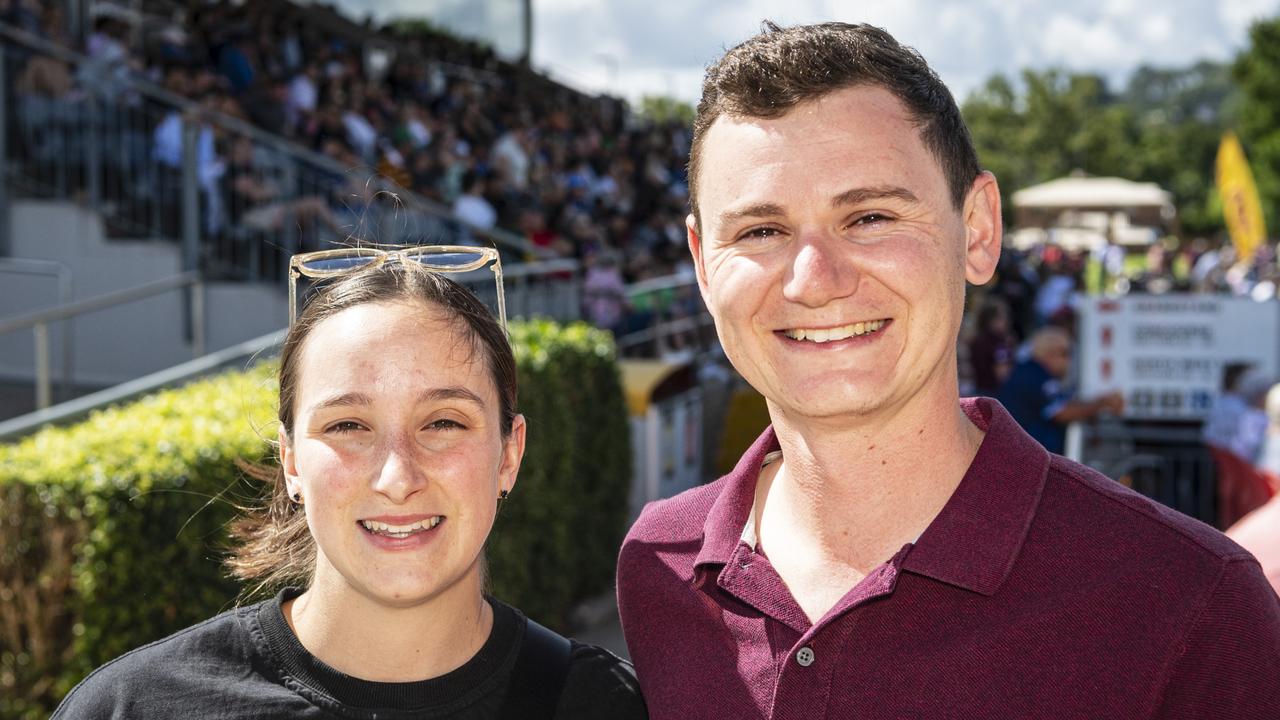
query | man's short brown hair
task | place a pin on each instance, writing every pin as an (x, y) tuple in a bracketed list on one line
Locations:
[(769, 74)]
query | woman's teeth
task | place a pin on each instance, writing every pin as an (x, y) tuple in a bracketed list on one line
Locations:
[(837, 333), (400, 531)]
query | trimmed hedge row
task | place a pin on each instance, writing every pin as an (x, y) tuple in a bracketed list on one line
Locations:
[(112, 531)]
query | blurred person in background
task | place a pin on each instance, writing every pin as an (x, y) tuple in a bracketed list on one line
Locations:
[(1037, 392), (992, 350), (1234, 432), (398, 441), (886, 549), (604, 294), (1259, 531)]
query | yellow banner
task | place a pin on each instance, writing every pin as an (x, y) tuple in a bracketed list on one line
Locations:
[(1240, 205)]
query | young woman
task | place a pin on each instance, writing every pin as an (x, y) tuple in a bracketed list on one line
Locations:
[(398, 438)]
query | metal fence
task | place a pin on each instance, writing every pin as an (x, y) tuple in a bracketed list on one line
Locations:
[(666, 318), (1166, 462)]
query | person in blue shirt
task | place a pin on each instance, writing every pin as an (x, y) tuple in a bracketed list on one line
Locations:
[(1037, 396)]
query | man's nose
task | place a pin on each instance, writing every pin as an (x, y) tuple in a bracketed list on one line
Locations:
[(821, 269), (401, 474)]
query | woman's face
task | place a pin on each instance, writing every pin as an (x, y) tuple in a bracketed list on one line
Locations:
[(398, 454)]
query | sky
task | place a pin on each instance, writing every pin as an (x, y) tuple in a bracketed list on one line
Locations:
[(632, 48)]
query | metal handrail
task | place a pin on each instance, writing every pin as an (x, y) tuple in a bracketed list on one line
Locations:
[(149, 89), (99, 302), (59, 271), (39, 320), (666, 282), (259, 347)]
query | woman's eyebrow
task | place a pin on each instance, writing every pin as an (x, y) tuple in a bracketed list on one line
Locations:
[(343, 400), (453, 392)]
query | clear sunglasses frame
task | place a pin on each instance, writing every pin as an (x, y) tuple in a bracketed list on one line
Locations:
[(374, 257)]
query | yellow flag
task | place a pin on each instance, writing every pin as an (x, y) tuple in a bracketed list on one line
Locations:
[(1240, 204)]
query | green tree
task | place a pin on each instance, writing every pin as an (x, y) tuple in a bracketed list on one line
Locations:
[(1163, 128), (1257, 72), (662, 109)]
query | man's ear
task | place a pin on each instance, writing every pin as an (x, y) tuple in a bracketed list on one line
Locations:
[(983, 229), (695, 249)]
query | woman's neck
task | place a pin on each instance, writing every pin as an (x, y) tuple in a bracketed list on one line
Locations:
[(366, 639)]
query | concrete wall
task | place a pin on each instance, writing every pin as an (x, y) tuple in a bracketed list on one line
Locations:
[(130, 340)]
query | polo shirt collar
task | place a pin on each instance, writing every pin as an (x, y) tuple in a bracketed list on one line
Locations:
[(722, 530), (975, 539)]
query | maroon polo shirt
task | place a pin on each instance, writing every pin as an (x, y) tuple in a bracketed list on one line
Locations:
[(1041, 590)]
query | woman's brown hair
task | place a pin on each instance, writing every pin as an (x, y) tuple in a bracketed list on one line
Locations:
[(272, 545)]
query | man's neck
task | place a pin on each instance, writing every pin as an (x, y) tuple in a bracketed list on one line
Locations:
[(846, 497), (371, 641)]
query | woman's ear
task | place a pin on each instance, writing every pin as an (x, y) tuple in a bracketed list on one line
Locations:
[(512, 454), (288, 464)]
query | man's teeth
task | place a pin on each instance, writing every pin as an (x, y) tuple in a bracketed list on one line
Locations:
[(400, 531), (837, 333)]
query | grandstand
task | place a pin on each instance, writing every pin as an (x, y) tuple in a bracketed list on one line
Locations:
[(160, 161)]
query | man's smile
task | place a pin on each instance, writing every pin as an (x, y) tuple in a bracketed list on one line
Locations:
[(840, 332)]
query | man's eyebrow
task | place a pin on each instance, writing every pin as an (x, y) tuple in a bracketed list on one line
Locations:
[(879, 192), (759, 210), (848, 197)]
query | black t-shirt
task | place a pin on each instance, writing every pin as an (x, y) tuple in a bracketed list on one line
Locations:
[(247, 663)]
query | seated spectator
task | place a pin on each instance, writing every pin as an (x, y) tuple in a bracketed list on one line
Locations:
[(257, 203), (1037, 396), (472, 207)]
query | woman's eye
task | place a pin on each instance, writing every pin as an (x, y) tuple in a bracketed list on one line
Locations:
[(446, 424), (345, 426)]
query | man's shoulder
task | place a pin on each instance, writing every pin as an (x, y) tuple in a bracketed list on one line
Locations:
[(1142, 526), (676, 519), (147, 673)]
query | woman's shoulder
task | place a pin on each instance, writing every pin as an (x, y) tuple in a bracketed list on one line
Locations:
[(198, 655), (599, 685)]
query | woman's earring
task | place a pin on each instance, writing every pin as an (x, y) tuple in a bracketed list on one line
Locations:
[(297, 498), (502, 494)]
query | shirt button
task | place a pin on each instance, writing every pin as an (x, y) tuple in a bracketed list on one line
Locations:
[(805, 656)]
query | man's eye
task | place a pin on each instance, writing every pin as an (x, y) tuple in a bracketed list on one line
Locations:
[(871, 219), (759, 233)]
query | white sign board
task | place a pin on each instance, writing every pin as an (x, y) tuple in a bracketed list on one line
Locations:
[(1166, 352)]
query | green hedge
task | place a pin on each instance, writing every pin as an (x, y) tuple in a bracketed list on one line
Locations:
[(112, 531)]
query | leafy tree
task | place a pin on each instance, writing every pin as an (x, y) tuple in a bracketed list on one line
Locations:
[(1257, 72), (1163, 127), (659, 109)]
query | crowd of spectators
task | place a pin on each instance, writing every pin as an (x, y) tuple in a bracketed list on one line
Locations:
[(492, 143)]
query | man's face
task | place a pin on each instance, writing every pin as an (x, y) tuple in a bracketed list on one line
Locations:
[(832, 257), (1055, 358)]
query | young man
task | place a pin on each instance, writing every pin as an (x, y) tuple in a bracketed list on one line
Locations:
[(885, 549)]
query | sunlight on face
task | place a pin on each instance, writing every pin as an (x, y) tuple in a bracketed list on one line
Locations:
[(398, 451), (832, 256)]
